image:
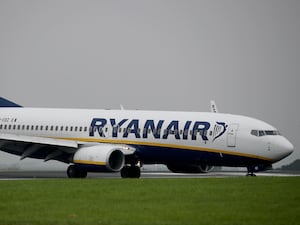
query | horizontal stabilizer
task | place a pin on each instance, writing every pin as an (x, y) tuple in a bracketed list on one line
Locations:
[(6, 103)]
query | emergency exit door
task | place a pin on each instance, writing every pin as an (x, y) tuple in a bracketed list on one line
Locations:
[(231, 135)]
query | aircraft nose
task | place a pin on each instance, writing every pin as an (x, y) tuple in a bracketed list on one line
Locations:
[(286, 148), (289, 148)]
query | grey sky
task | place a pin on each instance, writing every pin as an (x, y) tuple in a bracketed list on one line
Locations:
[(166, 55)]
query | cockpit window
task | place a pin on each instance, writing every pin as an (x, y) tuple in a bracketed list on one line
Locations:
[(260, 133), (254, 132), (272, 132)]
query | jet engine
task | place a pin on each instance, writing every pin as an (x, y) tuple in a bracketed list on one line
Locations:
[(200, 168), (100, 158)]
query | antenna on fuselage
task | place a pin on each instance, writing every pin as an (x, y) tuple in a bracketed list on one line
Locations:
[(122, 107), (213, 107)]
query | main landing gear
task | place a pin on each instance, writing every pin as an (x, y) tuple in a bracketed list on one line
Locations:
[(132, 168), (74, 172), (133, 171)]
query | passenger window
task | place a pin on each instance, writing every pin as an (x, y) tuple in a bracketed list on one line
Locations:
[(85, 129), (1, 126)]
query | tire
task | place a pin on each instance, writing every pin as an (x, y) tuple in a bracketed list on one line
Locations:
[(74, 172), (131, 172)]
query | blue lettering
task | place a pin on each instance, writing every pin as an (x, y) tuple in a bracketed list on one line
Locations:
[(186, 130), (155, 130), (133, 127), (202, 128), (172, 129), (97, 125), (116, 126), (155, 127)]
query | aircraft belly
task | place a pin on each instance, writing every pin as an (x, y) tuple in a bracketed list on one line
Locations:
[(165, 155)]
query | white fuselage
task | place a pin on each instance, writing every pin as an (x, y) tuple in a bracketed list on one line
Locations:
[(157, 136)]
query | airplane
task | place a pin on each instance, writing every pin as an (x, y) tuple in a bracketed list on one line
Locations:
[(125, 140)]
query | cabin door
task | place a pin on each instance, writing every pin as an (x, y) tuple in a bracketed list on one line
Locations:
[(231, 135)]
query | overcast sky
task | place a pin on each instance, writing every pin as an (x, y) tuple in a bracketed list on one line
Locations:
[(157, 55)]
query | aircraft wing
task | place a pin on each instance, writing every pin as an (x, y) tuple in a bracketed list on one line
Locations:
[(48, 148), (38, 147)]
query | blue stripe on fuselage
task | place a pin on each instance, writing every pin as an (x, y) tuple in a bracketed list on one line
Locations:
[(165, 155)]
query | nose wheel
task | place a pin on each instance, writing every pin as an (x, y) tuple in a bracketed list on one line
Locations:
[(250, 171)]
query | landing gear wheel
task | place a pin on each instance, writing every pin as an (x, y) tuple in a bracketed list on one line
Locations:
[(250, 171), (74, 172), (131, 172), (251, 175)]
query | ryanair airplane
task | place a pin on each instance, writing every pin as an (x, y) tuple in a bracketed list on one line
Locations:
[(124, 140)]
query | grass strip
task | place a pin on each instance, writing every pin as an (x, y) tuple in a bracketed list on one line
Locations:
[(249, 200)]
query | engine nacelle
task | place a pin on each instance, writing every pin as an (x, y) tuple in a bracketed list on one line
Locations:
[(100, 158), (201, 168)]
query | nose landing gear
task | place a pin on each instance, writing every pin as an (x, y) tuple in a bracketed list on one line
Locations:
[(250, 171), (257, 168)]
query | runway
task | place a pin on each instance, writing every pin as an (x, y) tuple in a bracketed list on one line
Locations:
[(23, 175)]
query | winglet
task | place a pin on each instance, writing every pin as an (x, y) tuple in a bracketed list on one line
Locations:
[(213, 107), (6, 103)]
